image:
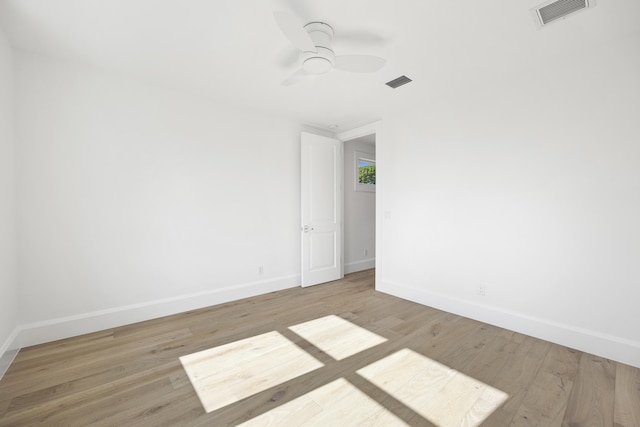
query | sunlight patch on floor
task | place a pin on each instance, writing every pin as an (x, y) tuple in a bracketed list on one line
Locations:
[(338, 403), (337, 337), (231, 372), (440, 394)]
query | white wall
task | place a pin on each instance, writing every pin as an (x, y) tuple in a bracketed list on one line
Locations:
[(359, 213), (529, 186), (137, 202), (8, 242)]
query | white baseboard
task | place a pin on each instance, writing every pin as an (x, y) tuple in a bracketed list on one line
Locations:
[(604, 345), (355, 266), (66, 327), (8, 351)]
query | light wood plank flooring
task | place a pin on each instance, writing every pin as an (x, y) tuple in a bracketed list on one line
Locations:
[(334, 354)]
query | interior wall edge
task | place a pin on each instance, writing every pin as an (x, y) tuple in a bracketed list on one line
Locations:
[(605, 345), (8, 350), (70, 326)]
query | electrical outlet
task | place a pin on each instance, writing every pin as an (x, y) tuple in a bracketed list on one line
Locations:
[(482, 291), (366, 252), (260, 270)]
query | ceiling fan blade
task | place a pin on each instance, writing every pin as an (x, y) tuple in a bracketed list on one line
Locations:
[(294, 78), (359, 63), (361, 39), (288, 59), (294, 31), (299, 8)]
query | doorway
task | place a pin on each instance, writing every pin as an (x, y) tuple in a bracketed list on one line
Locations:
[(359, 204)]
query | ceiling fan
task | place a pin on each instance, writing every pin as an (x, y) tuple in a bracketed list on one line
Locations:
[(313, 40)]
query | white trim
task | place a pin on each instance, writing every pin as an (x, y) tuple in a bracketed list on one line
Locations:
[(604, 345), (371, 128), (8, 350), (69, 326), (356, 266)]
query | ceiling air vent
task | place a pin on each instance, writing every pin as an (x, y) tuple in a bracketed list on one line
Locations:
[(551, 11), (396, 83)]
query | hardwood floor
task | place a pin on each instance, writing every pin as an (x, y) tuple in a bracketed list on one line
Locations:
[(335, 354)]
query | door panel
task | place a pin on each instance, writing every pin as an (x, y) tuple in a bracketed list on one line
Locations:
[(323, 248), (321, 209)]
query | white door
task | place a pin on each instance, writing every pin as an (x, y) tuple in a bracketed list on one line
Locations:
[(321, 209)]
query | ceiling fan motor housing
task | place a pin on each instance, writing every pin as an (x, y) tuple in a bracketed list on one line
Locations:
[(321, 61)]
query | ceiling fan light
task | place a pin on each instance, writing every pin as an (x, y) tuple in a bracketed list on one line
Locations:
[(317, 65)]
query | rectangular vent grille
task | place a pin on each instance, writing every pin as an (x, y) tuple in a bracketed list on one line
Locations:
[(560, 9), (552, 11), (395, 83)]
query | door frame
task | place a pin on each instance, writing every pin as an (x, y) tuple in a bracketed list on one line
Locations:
[(374, 128)]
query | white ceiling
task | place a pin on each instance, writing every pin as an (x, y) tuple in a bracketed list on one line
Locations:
[(232, 50)]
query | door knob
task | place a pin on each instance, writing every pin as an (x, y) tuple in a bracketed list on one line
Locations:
[(307, 228)]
